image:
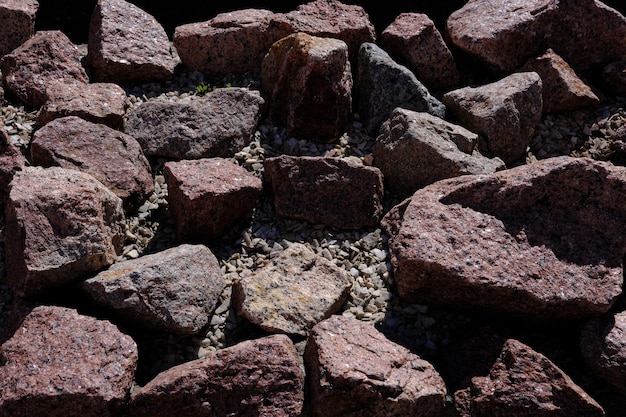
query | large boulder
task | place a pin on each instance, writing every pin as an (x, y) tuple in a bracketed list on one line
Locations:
[(543, 240), (60, 224), (309, 84), (63, 364), (253, 378), (17, 20)]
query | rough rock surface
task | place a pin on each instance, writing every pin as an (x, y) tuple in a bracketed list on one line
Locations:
[(531, 241), (174, 291), (112, 157), (60, 224), (415, 149), (221, 124), (309, 84), (17, 20), (523, 383), (382, 85), (291, 294), (614, 77), (63, 364), (11, 161), (413, 39), (328, 191), (504, 112), (46, 58), (233, 42), (354, 370), (126, 44), (603, 347), (328, 19), (208, 196), (99, 103), (562, 89), (253, 378)]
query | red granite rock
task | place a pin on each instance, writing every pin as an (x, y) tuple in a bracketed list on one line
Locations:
[(127, 45), (253, 378), (354, 370), (11, 161), (413, 39), (112, 157), (329, 191), (562, 89), (233, 42), (208, 196), (504, 112), (543, 240), (103, 103), (309, 83), (46, 58), (17, 20), (525, 383), (60, 224), (63, 364), (328, 19), (291, 294)]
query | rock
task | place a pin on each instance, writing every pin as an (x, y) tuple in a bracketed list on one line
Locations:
[(603, 347), (354, 370), (415, 149), (562, 89), (309, 83), (98, 103), (522, 383), (11, 161), (329, 191), (46, 58), (127, 45), (233, 42), (532, 241), (112, 157), (63, 364), (60, 224), (291, 294), (257, 377), (412, 38), (17, 20), (614, 77), (382, 85), (208, 196), (220, 124), (505, 112), (173, 291), (503, 34), (327, 19)]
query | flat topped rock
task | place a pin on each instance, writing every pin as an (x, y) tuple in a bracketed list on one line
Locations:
[(17, 20), (543, 240)]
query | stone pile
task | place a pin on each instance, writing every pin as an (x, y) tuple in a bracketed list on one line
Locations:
[(274, 228)]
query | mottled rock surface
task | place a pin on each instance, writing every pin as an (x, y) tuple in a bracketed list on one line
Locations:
[(233, 42), (354, 370), (112, 157), (504, 112), (220, 124), (309, 84), (63, 364), (17, 20), (543, 240), (523, 383), (253, 378), (126, 44), (328, 191), (291, 294), (415, 149), (208, 196), (60, 224), (382, 85), (99, 103), (175, 290), (11, 161), (46, 58), (413, 39)]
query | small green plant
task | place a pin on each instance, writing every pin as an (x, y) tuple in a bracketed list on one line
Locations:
[(203, 88)]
